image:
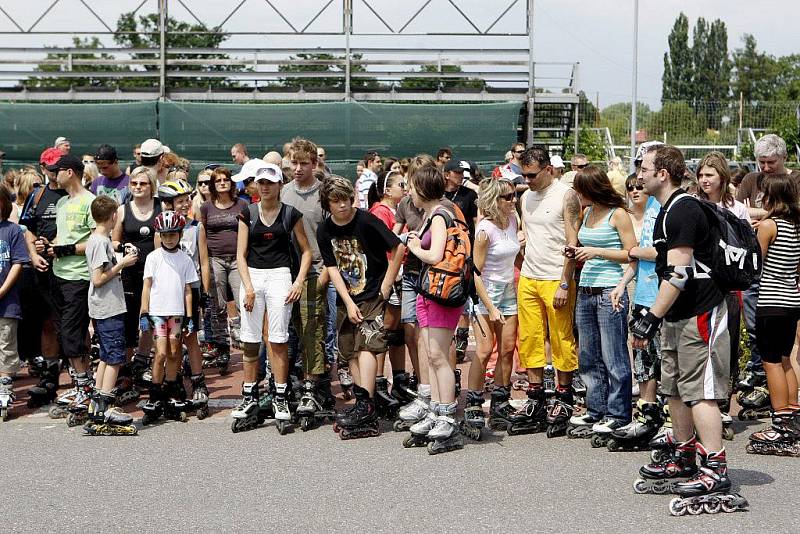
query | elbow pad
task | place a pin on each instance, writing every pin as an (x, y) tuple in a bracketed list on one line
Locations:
[(680, 275)]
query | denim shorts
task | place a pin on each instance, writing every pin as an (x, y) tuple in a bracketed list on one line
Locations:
[(503, 295), (111, 333), (408, 299)]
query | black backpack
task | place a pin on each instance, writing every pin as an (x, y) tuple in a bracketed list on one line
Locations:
[(286, 222), (736, 260)]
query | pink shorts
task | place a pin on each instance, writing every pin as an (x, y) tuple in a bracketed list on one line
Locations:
[(167, 326), (431, 314)]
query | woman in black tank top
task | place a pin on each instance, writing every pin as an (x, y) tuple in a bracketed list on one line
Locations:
[(135, 226)]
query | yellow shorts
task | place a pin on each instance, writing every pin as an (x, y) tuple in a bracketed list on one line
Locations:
[(538, 316)]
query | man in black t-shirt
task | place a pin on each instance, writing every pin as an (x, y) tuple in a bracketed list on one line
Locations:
[(695, 365), (463, 197)]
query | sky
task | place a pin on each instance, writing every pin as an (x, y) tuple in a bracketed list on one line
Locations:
[(596, 33)]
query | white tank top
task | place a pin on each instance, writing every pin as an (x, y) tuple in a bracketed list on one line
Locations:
[(543, 217), (503, 250)]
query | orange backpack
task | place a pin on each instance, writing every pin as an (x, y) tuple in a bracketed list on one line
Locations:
[(450, 281)]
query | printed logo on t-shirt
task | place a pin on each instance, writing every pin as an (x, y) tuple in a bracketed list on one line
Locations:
[(5, 256), (352, 263), (111, 192)]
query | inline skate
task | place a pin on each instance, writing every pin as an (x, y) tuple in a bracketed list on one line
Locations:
[(105, 419), (248, 415), (602, 431), (580, 426), (532, 416), (282, 410), (199, 400), (727, 426), (223, 360), (638, 434), (210, 354), (125, 389), (385, 403), (663, 477), (445, 435), (402, 388), (580, 390), (755, 404), (345, 380), (37, 366), (500, 409), (708, 491), (560, 412), (78, 409), (781, 438), (549, 381), (457, 377), (140, 370), (45, 391), (361, 421), (473, 411), (420, 429), (461, 340), (6, 397), (312, 407), (412, 413)]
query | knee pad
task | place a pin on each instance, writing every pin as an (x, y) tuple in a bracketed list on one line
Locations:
[(250, 352), (395, 338)]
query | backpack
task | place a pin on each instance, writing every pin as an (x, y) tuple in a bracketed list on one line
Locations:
[(286, 222), (736, 260), (450, 281)]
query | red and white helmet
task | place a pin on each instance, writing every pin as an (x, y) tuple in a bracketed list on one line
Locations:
[(169, 221)]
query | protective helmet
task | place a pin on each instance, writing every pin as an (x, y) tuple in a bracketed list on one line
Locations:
[(173, 189), (169, 221)]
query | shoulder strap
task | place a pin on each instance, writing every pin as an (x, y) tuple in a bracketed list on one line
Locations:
[(666, 211), (286, 220), (34, 197), (254, 215)]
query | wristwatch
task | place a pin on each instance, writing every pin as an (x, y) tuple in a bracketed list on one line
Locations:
[(564, 285)]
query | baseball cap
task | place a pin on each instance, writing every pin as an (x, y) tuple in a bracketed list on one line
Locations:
[(643, 148), (270, 172), (106, 153), (153, 147), (68, 161), (60, 141), (250, 169), (557, 162), (456, 165), (49, 158)]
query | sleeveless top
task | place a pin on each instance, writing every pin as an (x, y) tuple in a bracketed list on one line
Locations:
[(140, 233), (543, 217), (778, 287), (600, 272), (503, 249)]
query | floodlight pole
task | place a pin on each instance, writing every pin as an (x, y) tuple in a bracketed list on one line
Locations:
[(162, 30), (531, 78), (634, 95)]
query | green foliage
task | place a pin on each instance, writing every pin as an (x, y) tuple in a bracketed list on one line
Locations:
[(589, 143), (588, 114), (617, 118), (788, 128), (678, 63), (66, 83), (332, 82), (432, 84), (754, 72)]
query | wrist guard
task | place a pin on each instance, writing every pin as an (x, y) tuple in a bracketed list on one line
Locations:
[(645, 325)]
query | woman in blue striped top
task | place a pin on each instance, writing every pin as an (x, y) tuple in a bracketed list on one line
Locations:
[(606, 236)]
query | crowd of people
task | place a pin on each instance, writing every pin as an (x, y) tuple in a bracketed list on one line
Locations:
[(589, 287)]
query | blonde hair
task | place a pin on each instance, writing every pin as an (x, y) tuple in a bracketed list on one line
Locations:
[(149, 173), (489, 192), (25, 182), (335, 188), (90, 173)]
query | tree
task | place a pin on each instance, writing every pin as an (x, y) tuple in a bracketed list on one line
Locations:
[(788, 78), (432, 84), (589, 143), (66, 83), (587, 112), (754, 72), (334, 82), (679, 121), (617, 118), (711, 67), (143, 33), (678, 67)]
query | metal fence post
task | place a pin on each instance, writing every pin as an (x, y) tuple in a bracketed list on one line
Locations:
[(162, 30)]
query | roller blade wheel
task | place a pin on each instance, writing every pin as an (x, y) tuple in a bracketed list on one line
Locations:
[(616, 445), (76, 418), (57, 412), (148, 419), (357, 433), (773, 449), (307, 422), (472, 432), (283, 427), (579, 432), (713, 503), (415, 440), (4, 412), (347, 393), (94, 429), (202, 412), (497, 425), (658, 456), (728, 433), (556, 431), (402, 426), (245, 424), (749, 414), (451, 444), (598, 440)]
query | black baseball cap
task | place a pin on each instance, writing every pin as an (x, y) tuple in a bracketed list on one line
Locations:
[(68, 161), (456, 165), (106, 153)]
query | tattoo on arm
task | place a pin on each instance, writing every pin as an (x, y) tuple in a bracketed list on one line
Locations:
[(572, 210)]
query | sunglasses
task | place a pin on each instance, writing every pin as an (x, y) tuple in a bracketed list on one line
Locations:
[(637, 187), (509, 197), (140, 184), (518, 151), (201, 183), (581, 166), (531, 175), (87, 161)]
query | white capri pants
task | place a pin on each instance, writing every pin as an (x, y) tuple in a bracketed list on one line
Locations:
[(271, 287)]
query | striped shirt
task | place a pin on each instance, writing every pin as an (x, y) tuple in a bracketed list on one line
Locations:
[(600, 272), (778, 286)]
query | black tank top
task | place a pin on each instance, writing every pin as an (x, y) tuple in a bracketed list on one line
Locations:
[(140, 233)]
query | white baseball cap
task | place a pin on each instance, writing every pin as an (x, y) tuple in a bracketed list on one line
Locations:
[(153, 147), (557, 162), (269, 172), (260, 170)]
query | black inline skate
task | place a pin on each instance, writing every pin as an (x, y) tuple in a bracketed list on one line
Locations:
[(461, 340), (500, 409), (637, 435), (560, 412), (175, 404), (248, 415), (755, 404), (445, 436), (6, 397), (46, 390), (312, 407), (662, 445), (125, 390), (105, 419), (386, 405), (345, 380), (580, 390), (781, 438), (457, 377), (78, 410), (223, 360), (532, 416), (549, 381), (580, 426), (663, 477), (473, 411), (140, 370), (708, 490), (402, 388), (361, 421), (199, 400)]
